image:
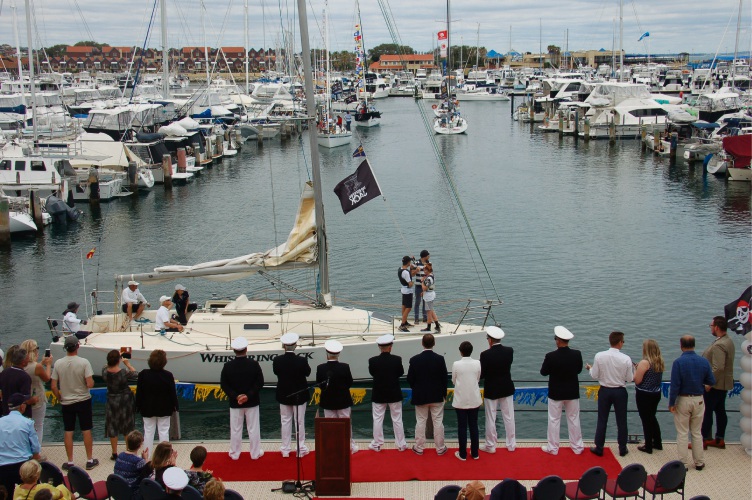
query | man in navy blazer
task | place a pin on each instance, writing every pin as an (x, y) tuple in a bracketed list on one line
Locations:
[(292, 393), (335, 380), (386, 370), (562, 367), (427, 376), (498, 388)]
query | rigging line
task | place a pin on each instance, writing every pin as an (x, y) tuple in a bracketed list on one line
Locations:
[(143, 49), (634, 10), (83, 20)]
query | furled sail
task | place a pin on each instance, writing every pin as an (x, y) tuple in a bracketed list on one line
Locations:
[(299, 251)]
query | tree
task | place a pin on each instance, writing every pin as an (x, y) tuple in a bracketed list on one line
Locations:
[(390, 49), (89, 43), (554, 52), (56, 50)]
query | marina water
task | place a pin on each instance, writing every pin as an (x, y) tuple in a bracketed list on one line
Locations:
[(591, 235)]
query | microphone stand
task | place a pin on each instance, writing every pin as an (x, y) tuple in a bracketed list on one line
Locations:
[(302, 489)]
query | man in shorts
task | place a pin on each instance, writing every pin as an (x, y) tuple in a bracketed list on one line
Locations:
[(72, 377), (405, 275), (428, 297), (133, 301)]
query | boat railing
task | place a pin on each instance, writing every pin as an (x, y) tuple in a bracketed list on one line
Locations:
[(477, 311)]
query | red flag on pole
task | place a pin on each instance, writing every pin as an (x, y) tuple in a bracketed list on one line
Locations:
[(90, 253), (443, 35)]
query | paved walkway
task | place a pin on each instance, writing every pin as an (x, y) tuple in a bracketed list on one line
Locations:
[(726, 475)]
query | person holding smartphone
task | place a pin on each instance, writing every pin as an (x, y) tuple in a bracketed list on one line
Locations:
[(120, 410), (40, 373)]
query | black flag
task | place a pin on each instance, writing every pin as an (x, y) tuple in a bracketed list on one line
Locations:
[(737, 313), (358, 188)]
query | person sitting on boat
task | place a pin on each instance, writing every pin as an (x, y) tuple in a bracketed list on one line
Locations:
[(183, 305), (71, 322), (164, 321), (133, 301)]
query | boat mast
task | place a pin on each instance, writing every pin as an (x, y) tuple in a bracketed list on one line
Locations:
[(206, 50), (18, 52), (449, 54), (736, 43), (245, 33), (165, 60), (31, 71), (328, 67), (324, 297), (621, 40), (477, 46)]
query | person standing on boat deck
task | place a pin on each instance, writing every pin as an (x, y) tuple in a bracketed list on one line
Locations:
[(72, 377), (335, 381), (420, 273), (691, 376), (720, 354), (429, 295), (562, 367), (613, 370), (405, 275), (348, 120), (242, 381), (386, 370), (133, 301), (71, 321), (427, 376), (183, 304), (163, 320), (339, 122), (498, 388), (292, 392)]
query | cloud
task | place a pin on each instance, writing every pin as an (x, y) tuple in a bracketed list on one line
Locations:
[(524, 25)]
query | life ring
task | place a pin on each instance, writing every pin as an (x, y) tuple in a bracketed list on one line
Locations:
[(434, 106)]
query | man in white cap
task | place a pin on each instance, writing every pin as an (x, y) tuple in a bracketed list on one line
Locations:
[(562, 367), (133, 301), (242, 381), (175, 480), (335, 381), (163, 319), (292, 393), (386, 370), (498, 389)]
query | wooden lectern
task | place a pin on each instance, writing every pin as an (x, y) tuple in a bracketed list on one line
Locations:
[(332, 456)]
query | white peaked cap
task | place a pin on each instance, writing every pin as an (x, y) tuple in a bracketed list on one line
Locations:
[(163, 298), (239, 343), (289, 338), (563, 333), (175, 478), (333, 346), (495, 332), (385, 339), (133, 283)]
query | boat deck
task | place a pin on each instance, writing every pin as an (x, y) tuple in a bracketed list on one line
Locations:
[(726, 474)]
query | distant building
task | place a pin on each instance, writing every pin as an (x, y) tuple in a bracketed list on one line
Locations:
[(407, 62)]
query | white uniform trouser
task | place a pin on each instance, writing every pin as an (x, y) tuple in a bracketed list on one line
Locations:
[(287, 415), (572, 408), (507, 412), (436, 410), (395, 411), (251, 416), (37, 414), (344, 413), (162, 424)]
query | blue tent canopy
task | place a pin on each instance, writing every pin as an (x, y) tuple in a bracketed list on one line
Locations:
[(493, 54), (705, 125)]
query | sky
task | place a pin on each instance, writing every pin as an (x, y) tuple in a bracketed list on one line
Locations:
[(694, 26)]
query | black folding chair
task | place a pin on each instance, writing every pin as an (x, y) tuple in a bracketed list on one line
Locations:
[(670, 479), (191, 493), (152, 490), (233, 495), (548, 488), (118, 488), (509, 489), (448, 492), (52, 475), (82, 485), (589, 486), (628, 483)]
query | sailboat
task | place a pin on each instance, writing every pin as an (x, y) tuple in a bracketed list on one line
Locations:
[(199, 352), (366, 115), (449, 120), (330, 133)]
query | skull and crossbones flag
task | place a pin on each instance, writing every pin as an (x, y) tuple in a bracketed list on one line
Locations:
[(358, 188), (737, 313)]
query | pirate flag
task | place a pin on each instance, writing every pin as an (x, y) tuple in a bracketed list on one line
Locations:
[(737, 313), (350, 98), (358, 188)]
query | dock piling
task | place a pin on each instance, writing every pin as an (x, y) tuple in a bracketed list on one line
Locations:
[(167, 171), (4, 223), (35, 207)]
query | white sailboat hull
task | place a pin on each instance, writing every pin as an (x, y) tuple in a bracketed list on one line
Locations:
[(199, 355), (334, 140), (371, 122), (740, 174), (454, 127), (21, 222)]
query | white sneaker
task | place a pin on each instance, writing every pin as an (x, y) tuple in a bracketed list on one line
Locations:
[(547, 450), (374, 448), (487, 449), (285, 455), (261, 454), (354, 450)]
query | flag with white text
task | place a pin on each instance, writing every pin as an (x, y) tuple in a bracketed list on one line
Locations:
[(358, 188)]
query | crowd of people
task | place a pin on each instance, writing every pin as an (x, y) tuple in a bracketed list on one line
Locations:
[(698, 390)]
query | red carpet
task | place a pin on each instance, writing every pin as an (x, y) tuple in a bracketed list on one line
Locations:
[(391, 465)]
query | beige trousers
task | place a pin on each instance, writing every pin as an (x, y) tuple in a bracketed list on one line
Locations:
[(688, 420)]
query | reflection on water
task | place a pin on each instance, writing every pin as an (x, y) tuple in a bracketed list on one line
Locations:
[(592, 235)]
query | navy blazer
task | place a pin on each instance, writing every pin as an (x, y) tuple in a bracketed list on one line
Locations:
[(292, 372), (155, 393), (562, 367), (496, 371), (335, 380), (386, 370), (242, 375), (427, 376)]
